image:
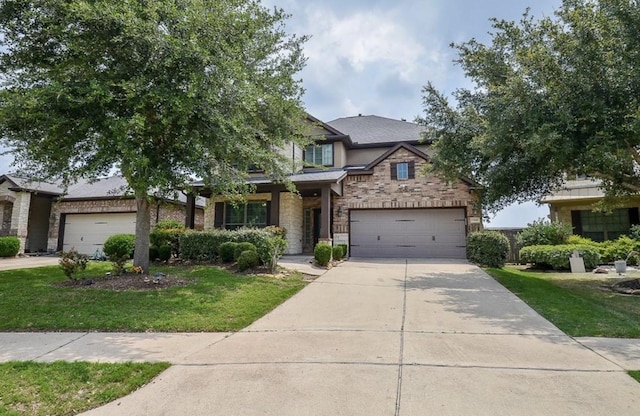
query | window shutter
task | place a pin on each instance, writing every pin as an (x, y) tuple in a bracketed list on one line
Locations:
[(269, 213), (218, 220), (576, 222), (412, 170), (634, 216), (394, 171)]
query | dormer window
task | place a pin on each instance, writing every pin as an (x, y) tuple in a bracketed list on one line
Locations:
[(319, 154)]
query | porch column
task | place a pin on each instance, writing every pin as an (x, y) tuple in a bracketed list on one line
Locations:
[(190, 217), (274, 217), (325, 214)]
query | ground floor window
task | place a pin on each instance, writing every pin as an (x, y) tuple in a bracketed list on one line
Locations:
[(600, 226), (251, 214)]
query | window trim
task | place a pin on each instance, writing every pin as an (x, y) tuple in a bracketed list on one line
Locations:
[(322, 147), (402, 171), (411, 170)]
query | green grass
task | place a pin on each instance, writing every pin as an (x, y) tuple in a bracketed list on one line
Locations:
[(62, 388), (215, 301), (635, 374), (579, 305)]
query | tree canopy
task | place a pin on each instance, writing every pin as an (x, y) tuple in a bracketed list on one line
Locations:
[(163, 90), (552, 97)]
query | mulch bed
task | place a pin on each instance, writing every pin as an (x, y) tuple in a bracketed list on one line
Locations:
[(128, 282)]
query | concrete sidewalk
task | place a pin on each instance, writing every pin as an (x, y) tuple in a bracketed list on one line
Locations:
[(369, 338)]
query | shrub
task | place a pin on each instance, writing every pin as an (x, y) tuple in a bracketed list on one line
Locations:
[(164, 252), (227, 251), (153, 253), (619, 250), (345, 249), (119, 248), (277, 231), (203, 246), (9, 246), (634, 232), (557, 257), (72, 262), (248, 259), (580, 240), (322, 253), (273, 248), (338, 252), (544, 232), (169, 225), (488, 248), (244, 246)]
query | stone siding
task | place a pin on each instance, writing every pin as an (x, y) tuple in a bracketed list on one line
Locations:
[(291, 214), (379, 191)]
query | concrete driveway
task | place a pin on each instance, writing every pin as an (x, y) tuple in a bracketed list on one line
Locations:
[(389, 338), (27, 262)]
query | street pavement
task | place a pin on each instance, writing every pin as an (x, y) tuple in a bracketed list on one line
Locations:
[(382, 337)]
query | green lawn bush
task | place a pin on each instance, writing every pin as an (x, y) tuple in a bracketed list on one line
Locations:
[(345, 249), (228, 251), (203, 245), (248, 259), (168, 232), (544, 232), (241, 247), (153, 253), (9, 246), (488, 248), (338, 253), (557, 257), (322, 253), (71, 263), (164, 252), (119, 249), (619, 250)]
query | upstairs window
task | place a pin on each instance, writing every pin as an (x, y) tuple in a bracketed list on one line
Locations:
[(403, 171), (319, 154)]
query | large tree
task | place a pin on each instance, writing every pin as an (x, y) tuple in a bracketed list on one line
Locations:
[(552, 97), (162, 90)]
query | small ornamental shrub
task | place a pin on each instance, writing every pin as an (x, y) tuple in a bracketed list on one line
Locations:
[(557, 257), (153, 253), (276, 231), (119, 249), (248, 259), (9, 246), (338, 253), (169, 225), (322, 253), (227, 251), (488, 248), (72, 262), (634, 232), (164, 252), (244, 246), (345, 249), (544, 232)]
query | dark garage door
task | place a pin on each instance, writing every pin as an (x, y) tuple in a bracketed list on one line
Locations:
[(415, 233)]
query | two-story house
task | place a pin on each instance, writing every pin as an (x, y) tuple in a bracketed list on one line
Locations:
[(371, 193)]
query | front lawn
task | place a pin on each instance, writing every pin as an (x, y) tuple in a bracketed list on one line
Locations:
[(61, 388), (580, 305), (215, 300)]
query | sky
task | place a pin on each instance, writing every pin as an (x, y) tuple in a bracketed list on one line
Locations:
[(374, 56)]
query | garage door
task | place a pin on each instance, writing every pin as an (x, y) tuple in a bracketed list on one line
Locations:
[(419, 233), (88, 232)]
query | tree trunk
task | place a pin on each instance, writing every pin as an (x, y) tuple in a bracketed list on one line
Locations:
[(143, 229)]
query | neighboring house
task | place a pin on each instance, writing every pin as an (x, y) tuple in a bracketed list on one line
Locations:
[(46, 219), (370, 193), (573, 204)]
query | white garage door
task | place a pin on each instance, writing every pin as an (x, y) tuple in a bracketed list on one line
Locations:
[(416, 233), (88, 232)]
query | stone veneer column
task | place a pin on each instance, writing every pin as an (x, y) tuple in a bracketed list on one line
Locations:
[(291, 216), (20, 217)]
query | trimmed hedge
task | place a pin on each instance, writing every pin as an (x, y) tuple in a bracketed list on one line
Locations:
[(248, 259), (203, 246), (119, 248), (322, 253), (488, 248), (228, 251), (338, 252), (619, 250), (9, 246), (164, 252), (557, 257), (242, 247)]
